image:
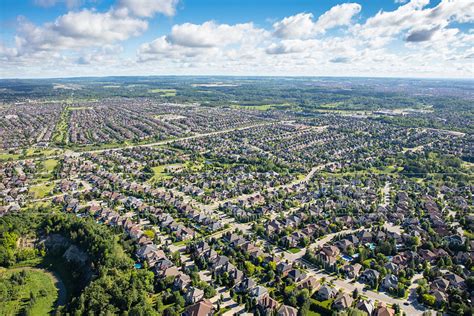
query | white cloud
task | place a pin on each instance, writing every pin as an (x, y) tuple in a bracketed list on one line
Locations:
[(297, 26), (415, 39), (302, 25), (148, 8), (414, 16), (76, 30), (206, 39), (291, 46), (106, 27), (50, 3), (299, 44), (86, 28), (421, 35), (339, 15), (211, 34)]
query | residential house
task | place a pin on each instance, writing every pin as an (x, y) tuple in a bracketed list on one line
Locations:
[(326, 292), (193, 295), (352, 271), (343, 301), (390, 281), (366, 306), (286, 310), (201, 308), (369, 276)]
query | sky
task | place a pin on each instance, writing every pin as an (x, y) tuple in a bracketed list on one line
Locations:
[(369, 38)]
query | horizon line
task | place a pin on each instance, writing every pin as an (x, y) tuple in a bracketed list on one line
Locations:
[(241, 76)]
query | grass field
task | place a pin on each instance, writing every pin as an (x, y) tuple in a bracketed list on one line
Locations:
[(28, 153), (60, 135), (321, 307), (385, 170), (160, 173), (40, 191), (30, 291), (263, 107), (7, 156), (331, 105), (49, 165), (164, 92), (294, 250)]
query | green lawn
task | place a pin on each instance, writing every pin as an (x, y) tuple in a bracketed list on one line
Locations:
[(383, 170), (28, 153), (331, 105), (160, 173), (468, 234), (294, 250), (6, 156), (164, 92), (262, 107), (50, 164), (321, 307), (61, 132), (27, 290), (40, 191)]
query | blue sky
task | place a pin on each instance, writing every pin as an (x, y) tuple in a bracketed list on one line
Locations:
[(417, 38)]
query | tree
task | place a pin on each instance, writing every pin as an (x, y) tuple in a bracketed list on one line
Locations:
[(209, 292), (159, 304), (179, 300), (429, 299), (396, 308), (249, 268), (355, 293)]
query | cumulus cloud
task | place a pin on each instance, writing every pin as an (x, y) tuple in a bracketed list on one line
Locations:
[(421, 35), (87, 27), (77, 29), (429, 41), (211, 34), (50, 3), (290, 47), (415, 16), (302, 25), (340, 60), (148, 8), (339, 15), (209, 38), (297, 26)]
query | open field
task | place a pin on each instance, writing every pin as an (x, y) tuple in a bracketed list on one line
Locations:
[(160, 172), (60, 135), (264, 107), (50, 164), (41, 190), (27, 291), (31, 152), (164, 92)]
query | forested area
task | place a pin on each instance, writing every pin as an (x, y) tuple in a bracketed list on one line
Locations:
[(113, 286)]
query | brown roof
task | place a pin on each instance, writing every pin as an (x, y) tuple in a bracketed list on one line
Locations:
[(201, 308), (286, 310), (384, 311)]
